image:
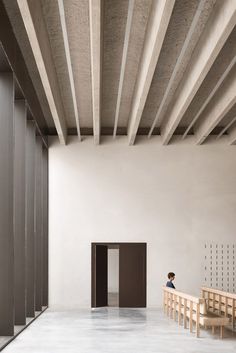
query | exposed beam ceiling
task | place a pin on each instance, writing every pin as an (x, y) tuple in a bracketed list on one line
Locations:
[(128, 67), (180, 62), (68, 58), (232, 136), (226, 128), (212, 40), (217, 86), (223, 102), (95, 17), (123, 63), (158, 22), (38, 39)]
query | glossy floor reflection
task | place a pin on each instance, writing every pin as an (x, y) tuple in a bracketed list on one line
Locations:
[(114, 330)]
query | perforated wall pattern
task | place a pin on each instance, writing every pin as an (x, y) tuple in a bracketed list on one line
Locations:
[(219, 268)]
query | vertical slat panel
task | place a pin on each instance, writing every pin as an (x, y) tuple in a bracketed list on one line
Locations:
[(19, 211), (30, 214), (45, 227), (38, 224), (6, 206)]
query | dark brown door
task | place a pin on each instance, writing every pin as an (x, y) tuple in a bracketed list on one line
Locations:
[(99, 276), (132, 275)]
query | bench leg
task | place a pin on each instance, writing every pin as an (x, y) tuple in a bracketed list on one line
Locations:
[(191, 317), (171, 306), (179, 313), (221, 332), (190, 325), (185, 316), (197, 321), (213, 330), (197, 331), (185, 321)]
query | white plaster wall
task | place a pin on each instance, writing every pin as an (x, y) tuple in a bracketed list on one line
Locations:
[(174, 197), (113, 270)]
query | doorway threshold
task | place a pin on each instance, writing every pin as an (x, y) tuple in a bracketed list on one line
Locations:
[(113, 300)]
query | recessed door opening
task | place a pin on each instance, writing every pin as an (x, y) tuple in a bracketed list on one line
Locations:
[(119, 275), (113, 277)]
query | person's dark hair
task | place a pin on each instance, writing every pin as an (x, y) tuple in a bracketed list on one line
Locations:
[(171, 274)]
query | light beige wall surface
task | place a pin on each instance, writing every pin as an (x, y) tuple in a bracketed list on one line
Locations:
[(174, 197)]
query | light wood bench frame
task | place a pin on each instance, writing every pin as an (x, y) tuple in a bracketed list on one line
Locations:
[(187, 308), (221, 303)]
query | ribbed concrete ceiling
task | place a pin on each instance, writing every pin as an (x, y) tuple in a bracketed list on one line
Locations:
[(145, 64), (222, 62)]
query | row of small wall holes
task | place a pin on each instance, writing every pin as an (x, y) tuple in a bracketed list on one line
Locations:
[(222, 252), (222, 273), (222, 257), (222, 263), (222, 280), (223, 287), (219, 246)]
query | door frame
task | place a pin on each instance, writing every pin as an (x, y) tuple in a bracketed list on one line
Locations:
[(109, 245), (94, 292)]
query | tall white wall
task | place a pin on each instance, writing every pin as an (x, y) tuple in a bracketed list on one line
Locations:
[(174, 197)]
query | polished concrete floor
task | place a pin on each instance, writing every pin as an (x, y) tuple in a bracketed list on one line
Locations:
[(114, 330)]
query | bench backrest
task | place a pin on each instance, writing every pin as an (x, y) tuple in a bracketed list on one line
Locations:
[(185, 299), (220, 302)]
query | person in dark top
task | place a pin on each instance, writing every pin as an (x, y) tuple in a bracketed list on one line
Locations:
[(171, 277)]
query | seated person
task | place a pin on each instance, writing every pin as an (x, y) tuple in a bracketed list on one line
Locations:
[(171, 277)]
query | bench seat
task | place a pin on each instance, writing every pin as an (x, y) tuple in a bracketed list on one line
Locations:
[(208, 319)]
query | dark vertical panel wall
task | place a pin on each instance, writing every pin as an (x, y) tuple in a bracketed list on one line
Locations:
[(30, 213), (19, 211), (23, 201), (45, 226), (132, 275), (6, 205), (38, 224)]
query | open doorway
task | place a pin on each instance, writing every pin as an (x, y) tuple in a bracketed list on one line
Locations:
[(113, 276), (118, 274)]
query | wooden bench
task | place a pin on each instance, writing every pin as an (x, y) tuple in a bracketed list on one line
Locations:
[(220, 303), (187, 308)]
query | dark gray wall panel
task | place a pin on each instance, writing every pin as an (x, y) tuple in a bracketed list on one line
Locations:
[(45, 227), (6, 206), (38, 224), (30, 219), (19, 211)]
